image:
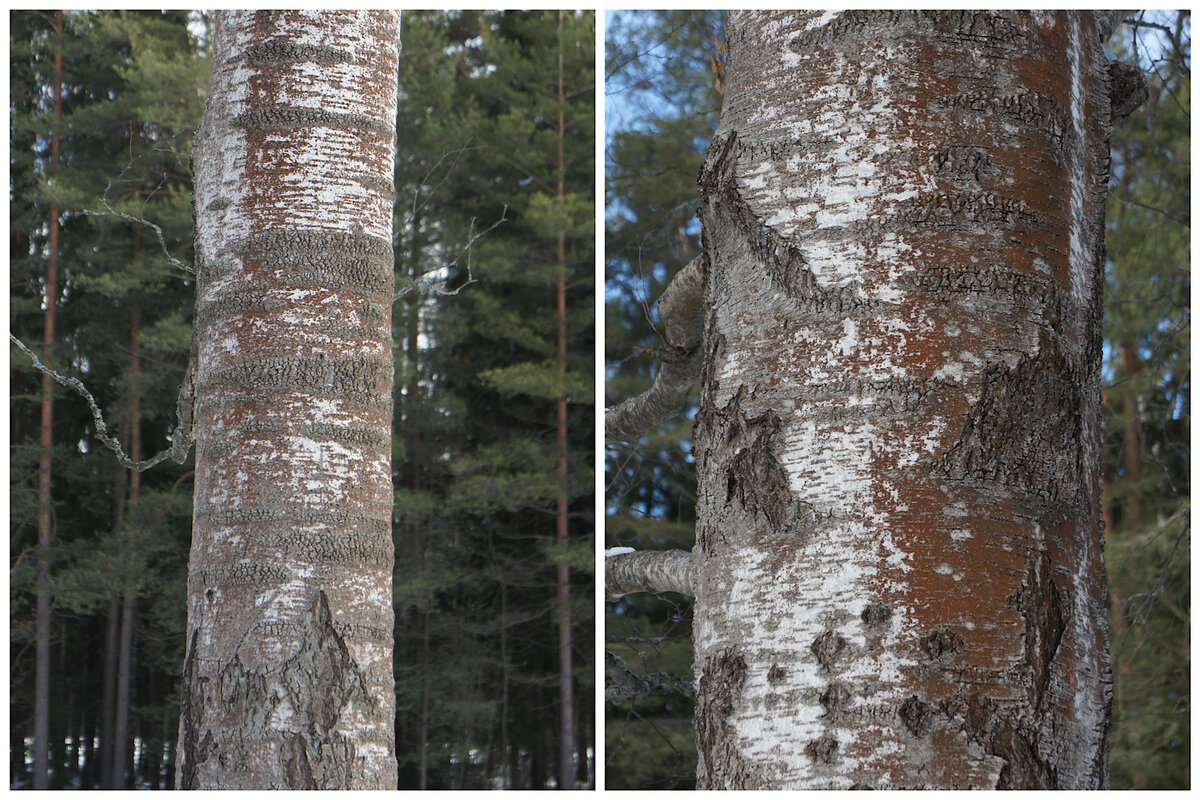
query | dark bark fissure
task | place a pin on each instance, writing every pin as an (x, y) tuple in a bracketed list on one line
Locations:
[(1011, 739), (1024, 430), (717, 692), (728, 219), (961, 28), (195, 752), (755, 476), (1047, 610), (327, 259), (275, 52), (277, 119), (320, 683)]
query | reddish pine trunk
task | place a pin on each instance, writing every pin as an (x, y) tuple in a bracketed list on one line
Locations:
[(1133, 437), (566, 694), (112, 629), (41, 703)]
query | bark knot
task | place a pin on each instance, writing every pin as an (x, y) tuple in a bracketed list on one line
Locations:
[(834, 699), (822, 749), (943, 642), (1128, 88), (827, 647), (915, 713), (876, 614)]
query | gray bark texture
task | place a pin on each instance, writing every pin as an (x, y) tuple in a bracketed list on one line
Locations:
[(899, 577), (288, 680), (648, 571)]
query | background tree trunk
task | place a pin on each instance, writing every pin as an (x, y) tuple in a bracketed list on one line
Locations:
[(124, 674), (566, 696), (288, 678), (41, 713), (899, 575), (120, 749), (112, 629)]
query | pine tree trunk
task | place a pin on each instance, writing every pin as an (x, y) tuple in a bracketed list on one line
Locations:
[(120, 750), (1133, 438), (112, 629), (423, 732), (124, 676), (419, 538), (566, 696), (506, 749), (899, 552), (288, 679), (41, 692), (89, 777)]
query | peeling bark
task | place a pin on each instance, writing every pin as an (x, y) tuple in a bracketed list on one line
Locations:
[(898, 576), (288, 680)]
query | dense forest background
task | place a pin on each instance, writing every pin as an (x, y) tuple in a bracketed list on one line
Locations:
[(478, 218), (662, 104)]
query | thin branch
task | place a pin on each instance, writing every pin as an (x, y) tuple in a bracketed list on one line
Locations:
[(1131, 202), (622, 684), (180, 441), (427, 280), (457, 153), (112, 212)]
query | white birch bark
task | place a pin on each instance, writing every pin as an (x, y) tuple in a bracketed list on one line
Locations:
[(898, 564), (288, 681)]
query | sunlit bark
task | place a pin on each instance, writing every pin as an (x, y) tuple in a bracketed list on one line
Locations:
[(899, 579)]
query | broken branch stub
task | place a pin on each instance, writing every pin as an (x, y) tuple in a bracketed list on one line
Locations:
[(654, 571)]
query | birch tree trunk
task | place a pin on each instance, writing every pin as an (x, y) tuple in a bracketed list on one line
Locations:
[(288, 678), (899, 577)]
